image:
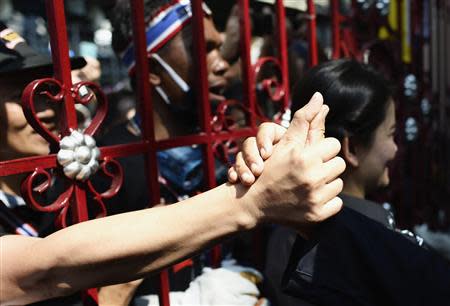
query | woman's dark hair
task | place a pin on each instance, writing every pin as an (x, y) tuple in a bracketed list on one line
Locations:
[(356, 94)]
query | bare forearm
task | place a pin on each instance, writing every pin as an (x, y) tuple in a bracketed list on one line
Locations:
[(129, 246), (146, 241)]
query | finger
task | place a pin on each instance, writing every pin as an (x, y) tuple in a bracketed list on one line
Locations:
[(326, 149), (232, 175), (268, 135), (317, 127), (251, 156), (329, 191), (245, 175), (299, 127), (331, 208), (332, 169)]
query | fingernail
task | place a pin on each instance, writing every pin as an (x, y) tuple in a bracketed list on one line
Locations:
[(326, 111), (255, 168), (317, 97), (316, 102), (263, 152), (246, 177), (233, 176)]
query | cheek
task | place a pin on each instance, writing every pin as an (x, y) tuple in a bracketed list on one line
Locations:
[(19, 139), (15, 117)]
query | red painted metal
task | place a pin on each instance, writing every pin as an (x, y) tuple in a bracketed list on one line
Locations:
[(204, 105), (219, 134), (277, 90), (336, 28), (144, 97), (246, 67), (283, 54), (60, 55), (313, 51)]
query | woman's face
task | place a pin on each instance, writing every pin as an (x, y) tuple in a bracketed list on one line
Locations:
[(373, 162)]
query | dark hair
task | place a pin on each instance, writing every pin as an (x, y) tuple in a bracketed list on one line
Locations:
[(120, 18), (356, 94)]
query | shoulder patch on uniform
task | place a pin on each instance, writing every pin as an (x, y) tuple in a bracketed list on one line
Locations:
[(10, 38)]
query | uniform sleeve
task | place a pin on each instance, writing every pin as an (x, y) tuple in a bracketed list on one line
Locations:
[(354, 260)]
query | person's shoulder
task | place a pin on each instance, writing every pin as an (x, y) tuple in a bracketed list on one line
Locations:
[(367, 208)]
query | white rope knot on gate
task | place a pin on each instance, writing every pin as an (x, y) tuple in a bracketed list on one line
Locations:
[(78, 155)]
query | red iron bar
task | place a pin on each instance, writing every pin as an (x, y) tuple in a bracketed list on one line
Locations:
[(144, 96), (313, 52), (60, 55), (248, 77), (336, 28), (204, 105), (283, 54)]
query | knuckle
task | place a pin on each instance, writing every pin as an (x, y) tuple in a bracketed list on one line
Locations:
[(240, 164), (239, 158), (266, 125), (312, 216), (314, 179), (299, 158), (306, 188), (249, 142), (299, 115), (315, 199), (319, 179)]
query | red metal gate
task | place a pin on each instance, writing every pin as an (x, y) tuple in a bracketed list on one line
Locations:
[(215, 135), (215, 132)]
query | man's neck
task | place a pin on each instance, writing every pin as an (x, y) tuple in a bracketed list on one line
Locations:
[(165, 122)]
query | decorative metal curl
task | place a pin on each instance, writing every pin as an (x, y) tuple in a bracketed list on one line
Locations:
[(29, 107), (37, 183), (61, 204), (93, 92), (116, 176), (37, 87), (223, 150), (272, 87), (109, 168), (225, 122), (28, 190)]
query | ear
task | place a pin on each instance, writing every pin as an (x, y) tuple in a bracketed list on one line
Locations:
[(154, 79), (349, 152)]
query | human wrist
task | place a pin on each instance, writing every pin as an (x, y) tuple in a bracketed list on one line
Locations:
[(247, 214)]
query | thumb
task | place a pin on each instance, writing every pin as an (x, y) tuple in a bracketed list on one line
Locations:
[(300, 124), (317, 127)]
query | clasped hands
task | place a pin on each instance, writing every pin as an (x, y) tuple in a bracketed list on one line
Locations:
[(295, 171)]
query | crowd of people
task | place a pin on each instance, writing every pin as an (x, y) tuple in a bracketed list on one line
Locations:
[(306, 185)]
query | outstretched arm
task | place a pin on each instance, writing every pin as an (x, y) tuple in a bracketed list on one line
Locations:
[(119, 248), (294, 190)]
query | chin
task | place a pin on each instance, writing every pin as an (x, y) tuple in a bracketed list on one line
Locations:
[(384, 180), (38, 150)]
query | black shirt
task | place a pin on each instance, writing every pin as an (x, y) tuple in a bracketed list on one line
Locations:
[(282, 240), (354, 260)]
